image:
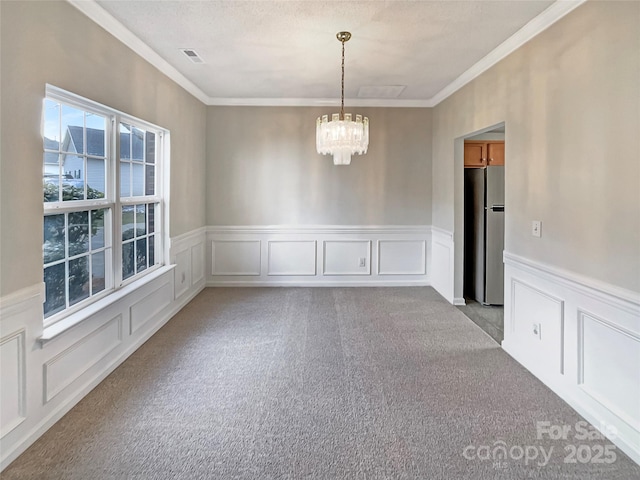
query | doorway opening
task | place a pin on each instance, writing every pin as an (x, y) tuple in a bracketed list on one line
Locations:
[(483, 227)]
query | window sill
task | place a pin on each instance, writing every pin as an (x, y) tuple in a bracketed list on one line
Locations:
[(60, 327)]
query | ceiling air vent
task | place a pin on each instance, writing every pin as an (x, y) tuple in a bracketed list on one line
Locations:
[(381, 91), (192, 55)]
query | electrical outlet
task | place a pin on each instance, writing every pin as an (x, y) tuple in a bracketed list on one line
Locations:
[(536, 228), (363, 262), (537, 330)]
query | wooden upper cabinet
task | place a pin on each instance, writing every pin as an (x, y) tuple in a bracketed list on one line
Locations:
[(475, 154), (482, 154), (495, 153)]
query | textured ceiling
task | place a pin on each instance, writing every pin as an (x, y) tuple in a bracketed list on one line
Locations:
[(287, 49)]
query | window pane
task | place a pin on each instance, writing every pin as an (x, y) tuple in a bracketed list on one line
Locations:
[(72, 177), (125, 141), (51, 131), (97, 272), (137, 144), (128, 266), (152, 214), (152, 260), (95, 178), (97, 229), (51, 177), (54, 238), (54, 289), (151, 148), (125, 179), (128, 222), (141, 254), (78, 233), (95, 134), (72, 130), (78, 279), (141, 220), (138, 179), (150, 180)]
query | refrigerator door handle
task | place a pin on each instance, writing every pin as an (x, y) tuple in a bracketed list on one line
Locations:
[(496, 208)]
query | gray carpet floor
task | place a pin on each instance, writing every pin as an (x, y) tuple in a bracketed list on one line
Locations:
[(319, 383)]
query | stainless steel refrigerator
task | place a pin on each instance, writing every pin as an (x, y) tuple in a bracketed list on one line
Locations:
[(484, 234)]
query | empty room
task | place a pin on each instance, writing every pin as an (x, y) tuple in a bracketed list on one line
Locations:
[(345, 239)]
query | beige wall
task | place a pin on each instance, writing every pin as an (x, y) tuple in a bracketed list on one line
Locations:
[(263, 169), (570, 99), (52, 42)]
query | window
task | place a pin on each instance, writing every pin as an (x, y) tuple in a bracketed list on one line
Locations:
[(102, 201)]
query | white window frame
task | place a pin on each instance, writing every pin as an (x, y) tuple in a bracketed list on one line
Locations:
[(112, 200)]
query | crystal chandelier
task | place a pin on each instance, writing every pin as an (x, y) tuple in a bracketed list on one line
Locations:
[(342, 136)]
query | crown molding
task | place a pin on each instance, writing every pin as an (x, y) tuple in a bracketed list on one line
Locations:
[(538, 24), (535, 26), (104, 19), (319, 102)]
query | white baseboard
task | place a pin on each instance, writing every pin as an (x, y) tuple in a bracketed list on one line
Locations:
[(387, 283), (581, 338)]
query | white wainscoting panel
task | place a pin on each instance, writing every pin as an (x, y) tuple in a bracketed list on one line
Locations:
[(442, 273), (235, 257), (148, 307), (402, 257), (66, 367), (322, 255), (537, 321), (46, 371), (291, 257), (587, 348), (187, 253), (12, 371), (609, 366), (182, 272), (343, 257), (197, 263)]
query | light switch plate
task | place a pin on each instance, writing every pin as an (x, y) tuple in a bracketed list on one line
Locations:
[(536, 228)]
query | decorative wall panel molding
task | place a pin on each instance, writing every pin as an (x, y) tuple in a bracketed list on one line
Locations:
[(291, 257), (197, 263), (148, 307), (345, 257), (45, 372), (182, 272), (609, 366), (235, 257), (397, 257), (323, 255), (537, 319), (13, 391), (66, 367), (187, 253), (581, 337), (442, 265)]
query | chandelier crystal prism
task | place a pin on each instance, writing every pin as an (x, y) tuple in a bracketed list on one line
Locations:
[(342, 136)]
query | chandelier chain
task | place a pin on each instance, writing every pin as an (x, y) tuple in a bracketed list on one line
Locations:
[(342, 103)]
